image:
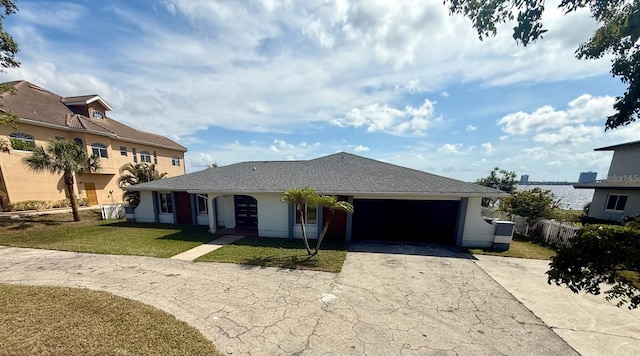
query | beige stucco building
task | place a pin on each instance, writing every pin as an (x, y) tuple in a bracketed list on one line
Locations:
[(43, 115)]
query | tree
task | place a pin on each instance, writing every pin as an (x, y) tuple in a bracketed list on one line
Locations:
[(601, 254), (136, 173), (8, 51), (618, 35), (532, 204), (498, 179), (300, 198), (213, 165), (64, 157)]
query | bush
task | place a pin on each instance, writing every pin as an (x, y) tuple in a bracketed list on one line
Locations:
[(83, 201), (30, 205), (532, 204), (64, 203)]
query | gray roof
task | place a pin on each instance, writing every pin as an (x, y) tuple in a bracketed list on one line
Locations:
[(340, 173), (611, 184), (611, 148)]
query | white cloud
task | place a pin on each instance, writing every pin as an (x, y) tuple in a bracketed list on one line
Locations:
[(361, 148), (259, 107), (583, 109), (570, 135), (471, 128), (450, 148), (383, 118), (488, 148), (413, 86)]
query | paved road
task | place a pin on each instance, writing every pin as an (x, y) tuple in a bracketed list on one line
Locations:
[(387, 301)]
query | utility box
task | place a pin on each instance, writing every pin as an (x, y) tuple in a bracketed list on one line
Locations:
[(503, 234), (112, 211)]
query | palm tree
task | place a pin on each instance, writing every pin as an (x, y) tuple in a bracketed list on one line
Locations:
[(300, 198), (135, 173), (64, 157)]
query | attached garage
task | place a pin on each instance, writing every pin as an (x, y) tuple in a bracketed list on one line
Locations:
[(426, 221)]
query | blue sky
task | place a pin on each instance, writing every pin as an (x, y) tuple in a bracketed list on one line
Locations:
[(399, 81)]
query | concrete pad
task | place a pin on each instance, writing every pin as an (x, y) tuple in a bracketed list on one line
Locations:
[(387, 301), (590, 324), (205, 248)]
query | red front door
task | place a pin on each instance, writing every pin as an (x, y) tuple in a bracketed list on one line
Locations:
[(183, 208)]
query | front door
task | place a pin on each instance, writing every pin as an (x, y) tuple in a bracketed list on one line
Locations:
[(246, 211), (90, 190), (183, 208)]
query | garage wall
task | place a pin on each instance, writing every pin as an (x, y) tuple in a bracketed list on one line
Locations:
[(144, 212), (477, 232), (273, 216)]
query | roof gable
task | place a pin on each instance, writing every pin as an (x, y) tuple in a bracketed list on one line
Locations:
[(340, 173)]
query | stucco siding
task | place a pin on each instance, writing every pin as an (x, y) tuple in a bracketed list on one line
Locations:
[(625, 162), (273, 218), (145, 211), (477, 232), (598, 204), (166, 218), (202, 219)]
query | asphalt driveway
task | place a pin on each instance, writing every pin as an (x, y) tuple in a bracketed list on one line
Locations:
[(389, 300)]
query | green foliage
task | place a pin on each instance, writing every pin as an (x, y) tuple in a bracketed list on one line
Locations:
[(136, 173), (4, 146), (617, 35), (532, 204), (601, 254), (8, 47), (500, 179), (64, 157), (299, 197), (22, 145)]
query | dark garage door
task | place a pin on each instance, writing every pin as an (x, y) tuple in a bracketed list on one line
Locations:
[(405, 220)]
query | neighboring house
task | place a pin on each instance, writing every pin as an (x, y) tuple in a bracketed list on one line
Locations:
[(43, 115), (391, 202), (618, 195)]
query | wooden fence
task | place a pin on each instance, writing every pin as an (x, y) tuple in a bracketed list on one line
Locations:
[(551, 232)]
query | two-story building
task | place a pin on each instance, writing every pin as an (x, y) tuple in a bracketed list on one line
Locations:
[(618, 195), (43, 115)]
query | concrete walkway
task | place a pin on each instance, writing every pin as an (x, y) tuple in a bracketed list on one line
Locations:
[(203, 249), (388, 300), (591, 324)]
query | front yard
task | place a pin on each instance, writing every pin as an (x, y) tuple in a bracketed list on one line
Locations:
[(521, 247), (59, 232)]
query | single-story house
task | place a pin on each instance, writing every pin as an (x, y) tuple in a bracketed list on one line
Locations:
[(391, 202), (618, 195)]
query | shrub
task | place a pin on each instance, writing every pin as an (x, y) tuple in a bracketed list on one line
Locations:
[(30, 205), (532, 204), (64, 203), (83, 201)]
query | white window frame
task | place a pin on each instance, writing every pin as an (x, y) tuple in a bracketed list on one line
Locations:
[(307, 209), (617, 198), (145, 157), (175, 161), (99, 150), (165, 203), (22, 137), (202, 202)]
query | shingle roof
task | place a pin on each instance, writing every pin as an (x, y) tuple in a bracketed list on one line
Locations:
[(340, 173), (632, 184), (42, 106), (611, 148)]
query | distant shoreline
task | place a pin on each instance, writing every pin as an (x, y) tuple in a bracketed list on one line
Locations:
[(550, 183)]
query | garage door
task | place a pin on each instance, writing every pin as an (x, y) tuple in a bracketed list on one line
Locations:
[(431, 221)]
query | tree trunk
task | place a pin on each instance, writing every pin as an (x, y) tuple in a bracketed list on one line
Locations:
[(323, 232), (68, 181), (304, 232)]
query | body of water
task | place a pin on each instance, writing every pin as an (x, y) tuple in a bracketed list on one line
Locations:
[(570, 197)]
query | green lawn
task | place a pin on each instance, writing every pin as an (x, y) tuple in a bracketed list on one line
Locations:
[(59, 232), (38, 320), (521, 247), (283, 253)]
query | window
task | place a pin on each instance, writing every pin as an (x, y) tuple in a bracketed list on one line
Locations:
[(123, 151), (203, 208), (311, 214), (166, 205), (133, 153), (616, 202), (99, 150), (78, 141), (21, 141), (175, 161), (145, 157), (97, 115), (155, 158)]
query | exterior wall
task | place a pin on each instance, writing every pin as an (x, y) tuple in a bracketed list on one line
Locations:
[(227, 211), (145, 211), (202, 219), (625, 162), (477, 232), (273, 216), (21, 184), (598, 204)]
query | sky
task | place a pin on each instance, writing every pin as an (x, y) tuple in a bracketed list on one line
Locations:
[(403, 82)]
